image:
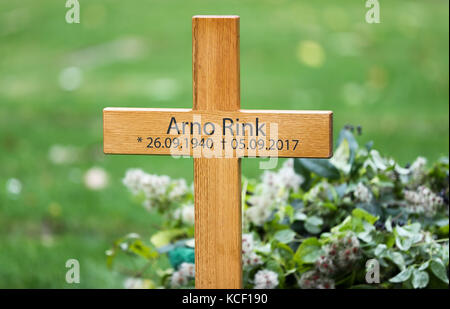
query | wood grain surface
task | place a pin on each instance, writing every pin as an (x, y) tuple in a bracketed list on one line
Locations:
[(217, 182), (306, 134)]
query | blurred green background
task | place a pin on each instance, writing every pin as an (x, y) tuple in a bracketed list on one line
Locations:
[(55, 78)]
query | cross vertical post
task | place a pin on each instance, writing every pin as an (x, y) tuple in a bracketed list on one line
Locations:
[(217, 181)]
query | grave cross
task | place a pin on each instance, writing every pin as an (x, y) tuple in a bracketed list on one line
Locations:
[(217, 133)]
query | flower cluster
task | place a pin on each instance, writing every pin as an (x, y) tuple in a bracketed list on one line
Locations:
[(274, 189), (266, 279), (185, 213), (178, 189), (418, 170), (313, 279), (423, 200), (249, 257), (287, 177), (339, 255), (181, 277), (154, 187), (319, 206), (362, 193)]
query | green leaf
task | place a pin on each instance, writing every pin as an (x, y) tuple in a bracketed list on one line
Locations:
[(275, 267), (110, 255), (284, 251), (308, 251), (300, 216), (439, 270), (380, 250), (285, 236), (388, 225), (444, 230), (330, 206), (424, 265), (313, 229), (403, 244), (314, 220), (407, 236), (320, 167), (362, 214), (341, 157), (163, 238), (289, 212), (347, 135), (140, 249), (302, 170), (420, 279), (397, 258), (313, 224), (345, 225), (402, 276), (378, 160)]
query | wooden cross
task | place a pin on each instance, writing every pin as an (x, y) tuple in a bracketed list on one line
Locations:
[(217, 133)]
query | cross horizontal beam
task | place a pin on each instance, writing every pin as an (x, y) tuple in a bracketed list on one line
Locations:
[(218, 134)]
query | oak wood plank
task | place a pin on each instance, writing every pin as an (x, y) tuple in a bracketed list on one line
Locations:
[(306, 134), (217, 182)]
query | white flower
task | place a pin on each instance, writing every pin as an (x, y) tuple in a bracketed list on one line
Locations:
[(133, 179), (59, 154), (423, 201), (288, 178), (419, 164), (309, 280), (154, 186), (319, 191), (266, 279), (260, 201), (70, 78), (251, 259), (14, 186), (315, 280), (178, 279), (418, 170), (137, 283), (326, 283), (362, 193), (272, 191), (258, 215), (187, 270), (269, 179), (96, 178), (148, 204), (186, 213), (247, 243), (325, 265), (179, 188), (348, 251)]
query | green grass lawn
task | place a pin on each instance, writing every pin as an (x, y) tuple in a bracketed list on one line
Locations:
[(390, 78)]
